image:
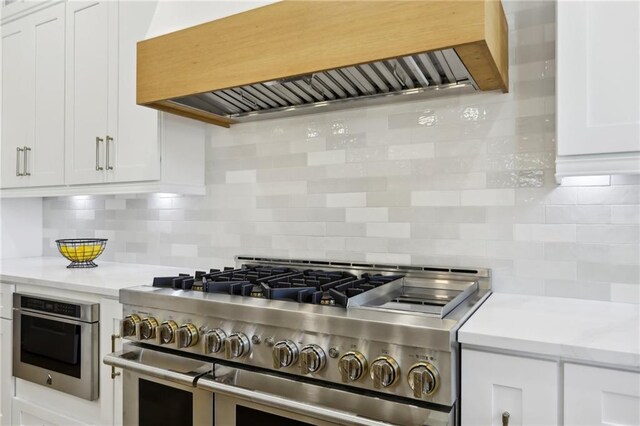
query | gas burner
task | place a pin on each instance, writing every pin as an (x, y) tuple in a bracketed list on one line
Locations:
[(315, 286)]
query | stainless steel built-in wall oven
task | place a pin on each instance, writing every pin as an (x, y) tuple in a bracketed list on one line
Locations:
[(56, 343), (164, 388)]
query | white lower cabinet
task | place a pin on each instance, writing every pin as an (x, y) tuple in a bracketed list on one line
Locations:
[(495, 384), (27, 413), (6, 380), (600, 396)]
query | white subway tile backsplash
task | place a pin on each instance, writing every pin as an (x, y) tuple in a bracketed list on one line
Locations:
[(612, 234), (544, 233), (578, 214), (487, 197), (435, 198), (354, 199), (461, 180), (411, 151), (367, 214), (543, 269), (326, 157), (241, 176), (389, 230), (625, 214)]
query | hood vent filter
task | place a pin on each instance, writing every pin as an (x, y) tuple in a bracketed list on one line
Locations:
[(425, 73)]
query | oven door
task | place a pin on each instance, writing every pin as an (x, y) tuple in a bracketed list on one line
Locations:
[(247, 398), (159, 388), (56, 352)]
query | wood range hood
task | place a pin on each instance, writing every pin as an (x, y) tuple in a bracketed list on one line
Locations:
[(296, 57)]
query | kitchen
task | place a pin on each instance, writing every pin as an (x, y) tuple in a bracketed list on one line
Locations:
[(470, 206)]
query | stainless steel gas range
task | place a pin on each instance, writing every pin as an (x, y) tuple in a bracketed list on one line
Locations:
[(295, 342)]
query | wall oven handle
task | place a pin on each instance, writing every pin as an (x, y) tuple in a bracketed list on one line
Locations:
[(129, 361), (276, 401)]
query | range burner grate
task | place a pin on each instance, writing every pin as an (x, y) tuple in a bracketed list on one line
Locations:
[(313, 286)]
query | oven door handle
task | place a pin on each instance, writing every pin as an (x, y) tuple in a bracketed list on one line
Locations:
[(276, 401), (129, 360)]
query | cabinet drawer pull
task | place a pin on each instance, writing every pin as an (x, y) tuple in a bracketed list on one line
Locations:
[(114, 337), (18, 151), (109, 166), (505, 418), (98, 140), (26, 172)]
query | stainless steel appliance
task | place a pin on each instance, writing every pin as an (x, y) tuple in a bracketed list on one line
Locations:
[(56, 343), (298, 341)]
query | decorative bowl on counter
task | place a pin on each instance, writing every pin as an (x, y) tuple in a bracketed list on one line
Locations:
[(81, 251)]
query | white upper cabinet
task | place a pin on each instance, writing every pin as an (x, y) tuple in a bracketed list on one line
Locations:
[(70, 122), (92, 77), (135, 154), (598, 87), (33, 99)]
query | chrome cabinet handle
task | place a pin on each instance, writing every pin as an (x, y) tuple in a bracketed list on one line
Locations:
[(26, 162), (109, 166), (505, 418), (18, 151), (98, 140)]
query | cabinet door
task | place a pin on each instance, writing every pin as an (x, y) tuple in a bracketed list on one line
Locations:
[(598, 89), (28, 414), (494, 384), (6, 379), (134, 154), (45, 160), (110, 387), (16, 85), (91, 73), (600, 396)]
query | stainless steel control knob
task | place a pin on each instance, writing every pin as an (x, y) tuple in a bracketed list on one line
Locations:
[(312, 359), (352, 366), (166, 332), (147, 328), (236, 345), (128, 325), (187, 335), (384, 372), (423, 379), (285, 354), (213, 341)]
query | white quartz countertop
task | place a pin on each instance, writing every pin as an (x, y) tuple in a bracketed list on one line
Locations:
[(570, 329), (105, 280)]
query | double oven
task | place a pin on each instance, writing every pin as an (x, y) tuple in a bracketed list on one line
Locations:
[(163, 388)]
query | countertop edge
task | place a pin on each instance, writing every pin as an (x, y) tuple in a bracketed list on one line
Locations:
[(80, 288)]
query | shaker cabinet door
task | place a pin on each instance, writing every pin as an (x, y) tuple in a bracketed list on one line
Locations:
[(33, 99), (135, 154), (600, 396), (495, 385), (598, 89), (45, 160), (91, 58), (16, 85)]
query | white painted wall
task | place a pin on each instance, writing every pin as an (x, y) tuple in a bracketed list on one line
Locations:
[(20, 227), (174, 15)]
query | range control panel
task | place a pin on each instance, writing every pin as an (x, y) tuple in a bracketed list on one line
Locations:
[(411, 372)]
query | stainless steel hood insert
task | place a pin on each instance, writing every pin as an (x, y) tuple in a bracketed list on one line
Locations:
[(415, 76)]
